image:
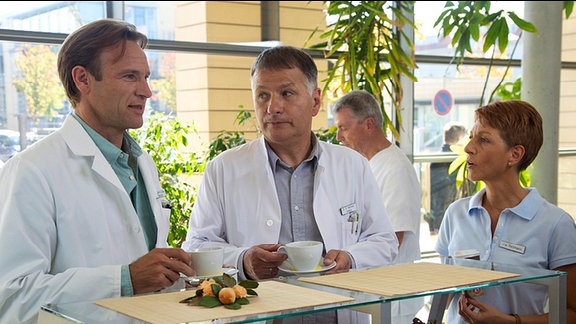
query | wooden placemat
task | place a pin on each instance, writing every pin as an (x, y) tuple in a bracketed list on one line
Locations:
[(272, 296), (405, 279)]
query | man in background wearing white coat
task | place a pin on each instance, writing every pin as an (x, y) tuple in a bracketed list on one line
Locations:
[(360, 123)]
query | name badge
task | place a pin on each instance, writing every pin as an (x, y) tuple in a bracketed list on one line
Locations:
[(513, 247), (348, 209)]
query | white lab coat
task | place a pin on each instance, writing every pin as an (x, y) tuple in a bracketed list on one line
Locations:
[(237, 205), (67, 224)]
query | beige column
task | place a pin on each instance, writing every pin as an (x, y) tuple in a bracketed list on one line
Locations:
[(541, 87)]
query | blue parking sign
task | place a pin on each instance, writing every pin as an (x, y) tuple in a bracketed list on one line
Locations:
[(442, 102)]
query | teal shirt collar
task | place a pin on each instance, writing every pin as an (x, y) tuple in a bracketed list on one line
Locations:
[(110, 151)]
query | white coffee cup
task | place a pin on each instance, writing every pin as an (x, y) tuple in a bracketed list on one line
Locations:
[(303, 255), (207, 261)]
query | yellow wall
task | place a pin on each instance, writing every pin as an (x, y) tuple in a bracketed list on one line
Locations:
[(211, 88)]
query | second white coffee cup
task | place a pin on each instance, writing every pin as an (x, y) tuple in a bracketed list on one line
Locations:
[(303, 255), (207, 261)]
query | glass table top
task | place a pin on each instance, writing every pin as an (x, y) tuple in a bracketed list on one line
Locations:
[(88, 312)]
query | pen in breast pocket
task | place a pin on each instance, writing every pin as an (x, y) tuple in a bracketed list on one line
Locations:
[(166, 204), (353, 219)]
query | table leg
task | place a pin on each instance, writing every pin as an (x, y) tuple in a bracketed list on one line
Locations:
[(557, 297), (380, 313), (437, 308)]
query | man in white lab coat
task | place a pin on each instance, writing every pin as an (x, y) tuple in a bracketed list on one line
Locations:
[(360, 122), (81, 211), (289, 186)]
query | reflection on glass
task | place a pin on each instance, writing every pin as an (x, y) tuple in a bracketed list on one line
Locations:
[(153, 18), (49, 16)]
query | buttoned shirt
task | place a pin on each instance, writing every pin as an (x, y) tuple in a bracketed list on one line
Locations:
[(295, 188), (535, 233)]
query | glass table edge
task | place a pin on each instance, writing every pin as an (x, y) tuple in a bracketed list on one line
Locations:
[(360, 298)]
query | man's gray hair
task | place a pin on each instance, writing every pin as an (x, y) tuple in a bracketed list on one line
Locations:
[(362, 104)]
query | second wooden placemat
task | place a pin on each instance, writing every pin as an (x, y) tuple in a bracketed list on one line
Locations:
[(405, 279)]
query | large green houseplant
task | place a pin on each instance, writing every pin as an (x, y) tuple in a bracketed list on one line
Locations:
[(370, 50), (465, 22), (166, 140)]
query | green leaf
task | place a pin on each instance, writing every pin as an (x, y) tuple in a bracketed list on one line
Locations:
[(568, 7), (503, 38), (251, 292), (210, 301), (459, 162), (248, 284), (219, 281), (466, 42), (189, 299), (216, 289), (228, 281), (525, 176), (242, 301), (522, 24), (475, 31), (492, 34), (491, 18), (233, 306)]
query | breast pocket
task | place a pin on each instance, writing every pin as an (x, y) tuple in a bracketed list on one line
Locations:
[(350, 225), (165, 208)]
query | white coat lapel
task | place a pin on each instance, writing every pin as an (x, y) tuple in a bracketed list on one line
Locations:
[(81, 145)]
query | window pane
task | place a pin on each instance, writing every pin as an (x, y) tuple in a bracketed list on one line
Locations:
[(444, 94), (428, 41), (153, 18), (31, 104), (50, 16)]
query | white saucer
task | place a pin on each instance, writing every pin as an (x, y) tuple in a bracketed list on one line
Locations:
[(286, 266), (229, 271)]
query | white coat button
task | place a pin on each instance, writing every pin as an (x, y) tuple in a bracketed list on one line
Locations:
[(137, 229), (296, 208), (495, 237), (121, 155), (132, 177), (269, 222)]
